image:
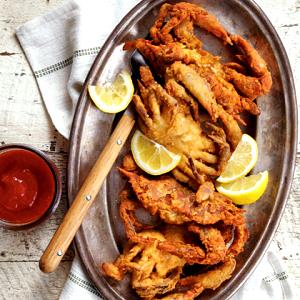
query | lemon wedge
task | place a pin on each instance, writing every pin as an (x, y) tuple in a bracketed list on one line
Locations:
[(245, 190), (242, 160), (152, 157), (115, 97)]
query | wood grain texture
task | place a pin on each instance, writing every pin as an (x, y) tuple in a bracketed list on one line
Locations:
[(22, 280), (23, 119)]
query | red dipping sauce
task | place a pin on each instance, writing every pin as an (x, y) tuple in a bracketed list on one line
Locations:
[(27, 186)]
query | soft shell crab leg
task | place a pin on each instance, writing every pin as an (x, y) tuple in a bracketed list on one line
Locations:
[(209, 280), (261, 80), (172, 16), (192, 286), (213, 241)]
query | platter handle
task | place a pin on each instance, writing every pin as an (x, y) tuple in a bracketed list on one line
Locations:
[(85, 197)]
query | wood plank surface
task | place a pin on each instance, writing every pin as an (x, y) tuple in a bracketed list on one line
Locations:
[(23, 280), (23, 119)]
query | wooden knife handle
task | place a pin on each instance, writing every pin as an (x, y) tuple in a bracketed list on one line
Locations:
[(85, 197)]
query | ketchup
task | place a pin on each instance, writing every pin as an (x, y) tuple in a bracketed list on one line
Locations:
[(27, 186)]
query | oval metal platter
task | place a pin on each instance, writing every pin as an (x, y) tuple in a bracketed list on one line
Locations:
[(101, 236)]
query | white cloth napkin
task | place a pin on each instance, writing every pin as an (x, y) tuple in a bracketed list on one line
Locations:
[(60, 48)]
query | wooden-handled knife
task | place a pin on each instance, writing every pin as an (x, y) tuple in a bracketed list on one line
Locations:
[(86, 195)]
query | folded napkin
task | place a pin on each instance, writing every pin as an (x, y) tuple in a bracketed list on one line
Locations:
[(60, 48), (62, 45)]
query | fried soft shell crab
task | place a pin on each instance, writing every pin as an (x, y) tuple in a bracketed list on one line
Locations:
[(196, 112)]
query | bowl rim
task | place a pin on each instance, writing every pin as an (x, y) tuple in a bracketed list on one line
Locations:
[(58, 187)]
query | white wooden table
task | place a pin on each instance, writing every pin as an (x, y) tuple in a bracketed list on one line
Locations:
[(23, 119)]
